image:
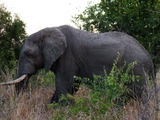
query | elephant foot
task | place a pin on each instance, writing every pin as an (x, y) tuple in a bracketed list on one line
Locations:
[(55, 98), (62, 99)]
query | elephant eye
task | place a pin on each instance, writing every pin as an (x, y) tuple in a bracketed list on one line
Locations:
[(29, 53)]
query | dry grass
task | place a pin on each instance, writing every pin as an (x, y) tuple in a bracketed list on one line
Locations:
[(27, 106), (33, 105)]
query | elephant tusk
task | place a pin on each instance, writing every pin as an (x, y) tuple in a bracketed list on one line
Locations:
[(23, 77)]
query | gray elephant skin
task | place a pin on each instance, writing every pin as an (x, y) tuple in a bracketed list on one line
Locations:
[(70, 52)]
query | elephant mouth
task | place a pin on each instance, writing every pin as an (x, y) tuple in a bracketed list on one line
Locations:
[(21, 78)]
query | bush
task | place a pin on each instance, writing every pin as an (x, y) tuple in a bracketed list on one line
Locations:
[(105, 92)]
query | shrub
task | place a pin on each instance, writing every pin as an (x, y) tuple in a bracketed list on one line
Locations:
[(105, 92)]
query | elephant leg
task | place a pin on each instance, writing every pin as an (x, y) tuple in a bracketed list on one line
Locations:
[(141, 91), (64, 85), (138, 87)]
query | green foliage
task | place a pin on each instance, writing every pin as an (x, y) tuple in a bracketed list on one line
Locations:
[(12, 34), (107, 91), (43, 78), (138, 18), (46, 79)]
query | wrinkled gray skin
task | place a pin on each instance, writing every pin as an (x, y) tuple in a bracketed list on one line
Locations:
[(70, 52)]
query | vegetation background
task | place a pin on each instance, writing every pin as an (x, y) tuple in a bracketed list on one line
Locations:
[(138, 18)]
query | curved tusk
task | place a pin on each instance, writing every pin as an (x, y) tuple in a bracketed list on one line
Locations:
[(23, 77)]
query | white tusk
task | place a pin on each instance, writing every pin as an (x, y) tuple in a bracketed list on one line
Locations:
[(23, 77)]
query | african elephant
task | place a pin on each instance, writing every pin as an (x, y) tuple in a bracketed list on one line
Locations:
[(70, 52)]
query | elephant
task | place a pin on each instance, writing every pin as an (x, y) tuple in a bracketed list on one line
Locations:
[(69, 52)]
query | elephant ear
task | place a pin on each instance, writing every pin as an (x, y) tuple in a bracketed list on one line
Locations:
[(54, 45)]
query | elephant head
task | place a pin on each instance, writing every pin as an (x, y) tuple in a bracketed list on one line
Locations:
[(40, 50)]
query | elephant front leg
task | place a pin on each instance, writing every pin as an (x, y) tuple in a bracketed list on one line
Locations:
[(63, 86)]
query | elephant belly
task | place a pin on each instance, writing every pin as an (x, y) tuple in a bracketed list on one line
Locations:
[(91, 69)]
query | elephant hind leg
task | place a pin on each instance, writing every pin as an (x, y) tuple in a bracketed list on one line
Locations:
[(139, 87), (142, 92)]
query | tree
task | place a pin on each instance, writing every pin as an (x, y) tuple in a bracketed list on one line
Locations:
[(139, 18), (12, 34)]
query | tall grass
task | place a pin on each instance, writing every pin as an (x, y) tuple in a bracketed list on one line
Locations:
[(90, 102)]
